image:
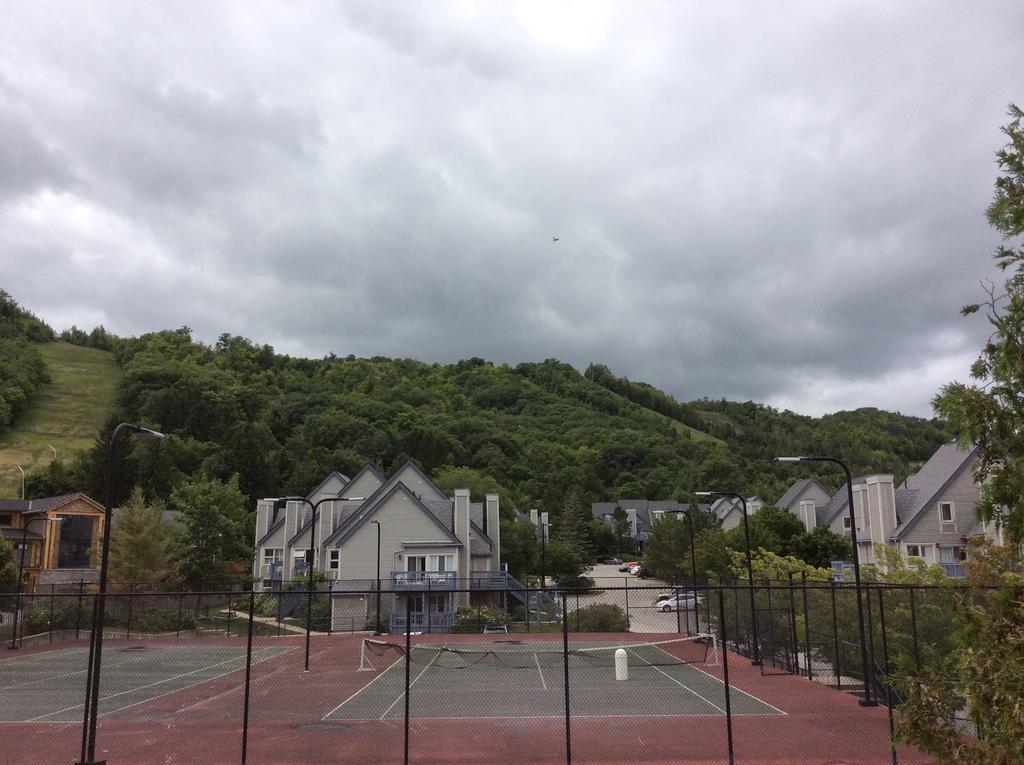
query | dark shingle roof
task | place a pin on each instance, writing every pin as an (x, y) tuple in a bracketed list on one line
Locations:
[(38, 505), (794, 492), (928, 482)]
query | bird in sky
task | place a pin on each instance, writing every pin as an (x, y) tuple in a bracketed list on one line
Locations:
[(554, 239)]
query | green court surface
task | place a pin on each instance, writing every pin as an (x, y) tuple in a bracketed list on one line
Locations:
[(49, 686), (528, 681)]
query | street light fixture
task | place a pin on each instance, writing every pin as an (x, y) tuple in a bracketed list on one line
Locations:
[(314, 506), (377, 630), (21, 574), (866, 701), (756, 659), (92, 690)]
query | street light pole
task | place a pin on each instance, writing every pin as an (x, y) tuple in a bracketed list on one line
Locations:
[(92, 691), (756, 659), (377, 631), (865, 664), (21, 577), (543, 555)]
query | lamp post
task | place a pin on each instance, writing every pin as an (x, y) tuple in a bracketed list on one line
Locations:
[(377, 630), (866, 701), (21, 576), (543, 555), (92, 691), (756, 659)]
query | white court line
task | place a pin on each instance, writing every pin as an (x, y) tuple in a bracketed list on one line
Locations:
[(536, 658), (112, 666), (674, 680), (151, 685), (403, 693), (395, 663), (731, 686)]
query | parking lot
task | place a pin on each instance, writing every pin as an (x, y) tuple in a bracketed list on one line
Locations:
[(638, 597)]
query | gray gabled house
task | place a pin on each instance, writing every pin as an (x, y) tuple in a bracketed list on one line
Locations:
[(929, 516), (430, 546)]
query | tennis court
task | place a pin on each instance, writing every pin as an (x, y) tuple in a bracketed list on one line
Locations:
[(49, 686), (507, 678)]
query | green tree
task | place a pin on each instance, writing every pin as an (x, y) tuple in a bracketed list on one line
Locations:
[(621, 528), (667, 551), (520, 548), (990, 413), (8, 568), (564, 563), (983, 674), (821, 547), (142, 545), (216, 541)]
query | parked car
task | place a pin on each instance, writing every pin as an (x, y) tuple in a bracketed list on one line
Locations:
[(625, 567), (634, 569), (613, 561), (685, 602)]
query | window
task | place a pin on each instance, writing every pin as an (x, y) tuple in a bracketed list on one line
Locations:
[(441, 563), (415, 562), (914, 551), (846, 522), (76, 534), (272, 555), (947, 517), (6, 519), (333, 560)]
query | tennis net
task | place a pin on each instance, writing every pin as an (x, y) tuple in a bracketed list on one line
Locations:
[(529, 654)]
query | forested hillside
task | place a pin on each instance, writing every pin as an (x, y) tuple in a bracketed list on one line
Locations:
[(22, 369), (547, 434)]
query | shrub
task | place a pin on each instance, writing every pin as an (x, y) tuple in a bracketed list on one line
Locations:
[(599, 617), (475, 618)]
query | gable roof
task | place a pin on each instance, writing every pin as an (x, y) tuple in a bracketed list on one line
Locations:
[(827, 514), (395, 477), (43, 504), (921, 489), (344, 479), (795, 491), (364, 470), (270, 532), (399, 487)]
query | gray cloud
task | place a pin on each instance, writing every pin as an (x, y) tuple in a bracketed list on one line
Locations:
[(779, 203)]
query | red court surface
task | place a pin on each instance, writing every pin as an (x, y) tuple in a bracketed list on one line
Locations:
[(290, 716)]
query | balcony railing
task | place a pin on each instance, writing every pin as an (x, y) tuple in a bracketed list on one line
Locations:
[(489, 580), (422, 580), (423, 621), (271, 571)]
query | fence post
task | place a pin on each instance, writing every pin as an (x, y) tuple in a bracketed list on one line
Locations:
[(78, 611), (131, 599), (627, 598), (836, 667), (51, 611), (280, 598), (408, 658), (577, 610), (725, 672), (248, 676), (177, 621), (913, 629), (565, 664), (885, 670), (679, 611), (807, 628), (227, 631), (792, 626), (871, 649)]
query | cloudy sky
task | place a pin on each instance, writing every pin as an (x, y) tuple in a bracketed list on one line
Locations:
[(776, 201)]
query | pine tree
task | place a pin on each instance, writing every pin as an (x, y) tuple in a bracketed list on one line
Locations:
[(990, 413), (142, 545)]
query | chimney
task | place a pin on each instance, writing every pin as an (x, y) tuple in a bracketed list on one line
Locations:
[(881, 507), (292, 519), (493, 522), (860, 513), (264, 509), (533, 517), (460, 519), (808, 515)]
